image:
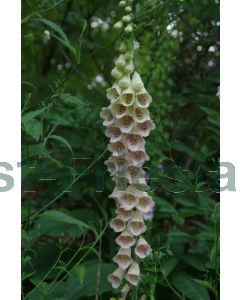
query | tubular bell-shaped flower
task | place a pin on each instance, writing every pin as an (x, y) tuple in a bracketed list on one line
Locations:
[(145, 203), (143, 99), (124, 214), (125, 239), (117, 149), (140, 114), (128, 200), (119, 110), (138, 157), (136, 225), (125, 124), (127, 97), (123, 258), (128, 122), (117, 224), (144, 128), (116, 277), (133, 274), (114, 133), (107, 115), (134, 142), (114, 93), (142, 248)]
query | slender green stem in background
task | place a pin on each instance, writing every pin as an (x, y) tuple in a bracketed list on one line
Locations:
[(153, 284), (52, 286), (169, 284), (99, 265), (68, 187)]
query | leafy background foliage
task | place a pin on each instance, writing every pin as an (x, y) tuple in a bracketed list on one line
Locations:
[(67, 54)]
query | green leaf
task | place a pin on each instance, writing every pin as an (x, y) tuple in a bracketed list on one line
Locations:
[(189, 288), (94, 278), (58, 216), (32, 114), (196, 261), (69, 99), (62, 140), (62, 38), (169, 265), (56, 28), (33, 150), (57, 223), (80, 42), (164, 206), (33, 128)]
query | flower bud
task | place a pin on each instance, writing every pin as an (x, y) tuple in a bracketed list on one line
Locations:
[(125, 291), (116, 73), (128, 28), (120, 62), (137, 83), (125, 82), (123, 47), (128, 69), (122, 3), (118, 25), (128, 9), (128, 55), (127, 18)]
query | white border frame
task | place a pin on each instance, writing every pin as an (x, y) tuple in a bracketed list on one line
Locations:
[(230, 115), (10, 132)]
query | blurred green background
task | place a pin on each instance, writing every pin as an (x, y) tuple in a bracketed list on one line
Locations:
[(68, 49)]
